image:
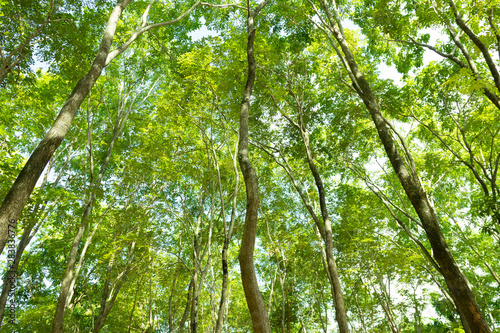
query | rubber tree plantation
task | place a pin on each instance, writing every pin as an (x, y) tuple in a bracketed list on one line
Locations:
[(250, 166)]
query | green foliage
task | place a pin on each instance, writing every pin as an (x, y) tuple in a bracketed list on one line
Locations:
[(161, 186)]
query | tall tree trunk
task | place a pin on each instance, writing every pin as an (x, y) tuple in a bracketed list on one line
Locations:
[(176, 274), (70, 277), (20, 191), (186, 310), (131, 316), (28, 235), (194, 303), (283, 296), (109, 294), (197, 272), (385, 302), (338, 298), (324, 229), (253, 296), (456, 281), (227, 239)]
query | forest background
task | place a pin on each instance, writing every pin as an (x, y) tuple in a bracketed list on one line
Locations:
[(270, 176)]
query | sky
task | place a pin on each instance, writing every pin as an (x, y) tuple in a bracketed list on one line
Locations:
[(386, 72)]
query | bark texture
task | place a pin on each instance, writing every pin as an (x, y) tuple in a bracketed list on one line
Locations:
[(253, 296), (456, 281), (20, 191)]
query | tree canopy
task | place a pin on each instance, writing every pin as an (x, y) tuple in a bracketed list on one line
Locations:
[(266, 166)]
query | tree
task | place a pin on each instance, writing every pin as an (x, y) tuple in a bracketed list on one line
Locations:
[(136, 224), (254, 299)]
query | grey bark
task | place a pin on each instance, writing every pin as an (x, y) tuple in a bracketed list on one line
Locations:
[(20, 191), (255, 302), (456, 281), (69, 280), (29, 233), (225, 247)]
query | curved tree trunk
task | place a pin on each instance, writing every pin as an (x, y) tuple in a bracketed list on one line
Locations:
[(253, 296), (456, 281), (227, 239), (186, 309), (324, 229), (338, 298)]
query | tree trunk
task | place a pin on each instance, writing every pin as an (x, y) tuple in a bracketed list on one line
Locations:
[(338, 298), (325, 229), (456, 281), (176, 274), (27, 235), (194, 303), (253, 296), (20, 191), (225, 247), (186, 310), (12, 275), (106, 301)]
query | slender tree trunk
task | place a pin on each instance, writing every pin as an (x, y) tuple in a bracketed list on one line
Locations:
[(62, 301), (196, 278), (20, 191), (456, 281), (108, 302), (253, 296), (360, 312), (105, 292), (186, 310), (225, 283), (69, 280), (325, 229), (139, 283), (194, 303), (170, 315), (338, 298), (283, 297), (225, 247), (386, 304)]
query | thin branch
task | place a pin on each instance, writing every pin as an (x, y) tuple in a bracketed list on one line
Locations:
[(206, 4), (113, 54)]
